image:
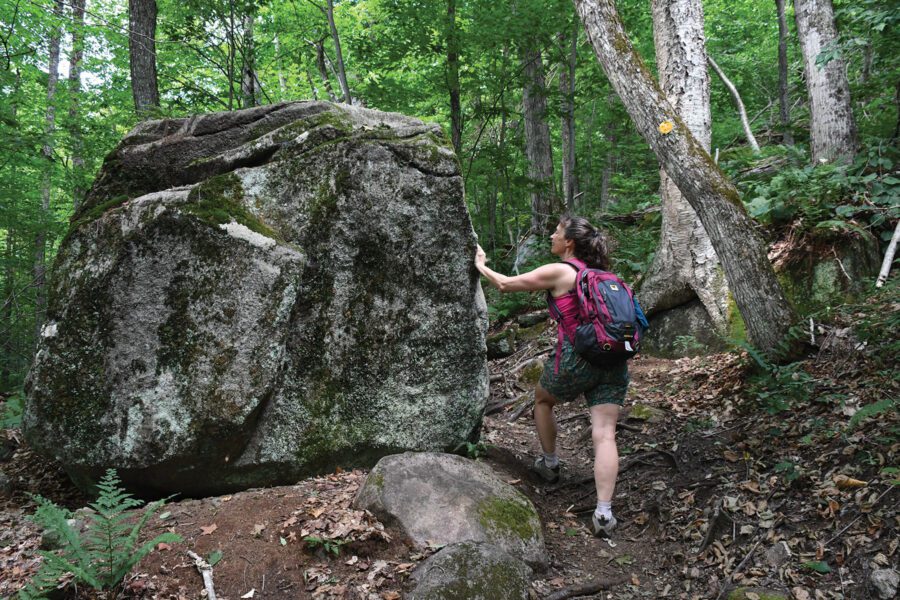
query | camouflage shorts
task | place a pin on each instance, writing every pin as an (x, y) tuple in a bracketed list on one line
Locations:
[(600, 385)]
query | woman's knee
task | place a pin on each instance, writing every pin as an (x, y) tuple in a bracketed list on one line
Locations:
[(542, 396), (602, 434)]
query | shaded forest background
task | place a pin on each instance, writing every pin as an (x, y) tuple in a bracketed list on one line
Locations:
[(67, 96)]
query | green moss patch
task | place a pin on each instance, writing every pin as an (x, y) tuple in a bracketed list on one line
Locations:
[(507, 515), (219, 200)]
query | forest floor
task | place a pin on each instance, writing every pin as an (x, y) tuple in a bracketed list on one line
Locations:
[(728, 478)]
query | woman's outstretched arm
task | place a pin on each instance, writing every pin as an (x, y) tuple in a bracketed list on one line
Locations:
[(543, 278)]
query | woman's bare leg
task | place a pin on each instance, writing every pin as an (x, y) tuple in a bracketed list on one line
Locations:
[(544, 419), (606, 455)]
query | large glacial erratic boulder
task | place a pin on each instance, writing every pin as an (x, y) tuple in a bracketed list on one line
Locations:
[(251, 297)]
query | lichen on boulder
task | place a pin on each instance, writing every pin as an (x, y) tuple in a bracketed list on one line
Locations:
[(446, 499), (251, 297)]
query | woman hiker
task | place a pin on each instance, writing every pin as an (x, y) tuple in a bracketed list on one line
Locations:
[(566, 374)]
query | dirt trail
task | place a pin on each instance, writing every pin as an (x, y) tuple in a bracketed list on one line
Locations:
[(709, 484)]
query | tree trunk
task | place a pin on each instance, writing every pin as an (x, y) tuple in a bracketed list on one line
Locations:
[(742, 112), (537, 143), (567, 109), (749, 273), (6, 319), (142, 47), (40, 242), (832, 128), (248, 64), (685, 265), (230, 40), (312, 86), (342, 74), (783, 99), (77, 139), (323, 70), (282, 85), (453, 77), (609, 165)]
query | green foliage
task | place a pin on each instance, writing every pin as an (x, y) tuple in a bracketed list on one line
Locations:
[(871, 410), (789, 470), (332, 546), (105, 552), (837, 197), (473, 450), (11, 411), (777, 387)]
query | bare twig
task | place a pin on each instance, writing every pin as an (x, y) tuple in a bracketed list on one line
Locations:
[(521, 410), (845, 528), (206, 571)]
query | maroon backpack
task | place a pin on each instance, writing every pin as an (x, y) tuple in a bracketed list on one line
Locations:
[(610, 320)]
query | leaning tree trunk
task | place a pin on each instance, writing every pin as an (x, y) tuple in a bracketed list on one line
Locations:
[(742, 112), (142, 47), (784, 107), (749, 273), (342, 73), (685, 265), (537, 143), (453, 78), (323, 69), (567, 125), (832, 128), (40, 241), (75, 135)]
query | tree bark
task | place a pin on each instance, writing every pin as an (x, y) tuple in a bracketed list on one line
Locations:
[(453, 77), (832, 127), (784, 105), (323, 70), (750, 276), (609, 165), (142, 48), (742, 112), (342, 74), (75, 135), (685, 265), (248, 64), (537, 143), (567, 109), (282, 85), (40, 242)]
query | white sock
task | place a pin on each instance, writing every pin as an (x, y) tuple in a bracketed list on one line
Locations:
[(604, 510), (551, 460)]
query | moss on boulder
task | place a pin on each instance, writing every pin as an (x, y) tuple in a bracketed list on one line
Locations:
[(232, 308)]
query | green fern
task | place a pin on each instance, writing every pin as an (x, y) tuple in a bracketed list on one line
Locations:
[(103, 555)]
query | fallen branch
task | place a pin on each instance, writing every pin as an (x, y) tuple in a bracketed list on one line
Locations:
[(584, 589), (525, 406), (888, 257), (206, 572)]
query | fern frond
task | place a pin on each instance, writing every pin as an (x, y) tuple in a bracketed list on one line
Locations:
[(49, 516), (146, 548)]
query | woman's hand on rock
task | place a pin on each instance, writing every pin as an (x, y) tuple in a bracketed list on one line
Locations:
[(480, 257)]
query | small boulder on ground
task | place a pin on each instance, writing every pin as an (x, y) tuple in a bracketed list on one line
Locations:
[(885, 582), (471, 571), (441, 499)]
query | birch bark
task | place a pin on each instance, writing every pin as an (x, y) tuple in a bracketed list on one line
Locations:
[(79, 189), (685, 266), (750, 276), (832, 128)]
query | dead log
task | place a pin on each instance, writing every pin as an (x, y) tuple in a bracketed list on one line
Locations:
[(584, 589)]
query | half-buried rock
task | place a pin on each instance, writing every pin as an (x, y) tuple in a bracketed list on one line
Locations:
[(247, 298), (471, 571), (439, 499)]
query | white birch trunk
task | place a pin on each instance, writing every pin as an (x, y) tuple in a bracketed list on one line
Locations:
[(750, 276), (685, 265), (832, 127)]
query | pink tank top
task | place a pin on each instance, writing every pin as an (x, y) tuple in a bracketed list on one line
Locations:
[(564, 310)]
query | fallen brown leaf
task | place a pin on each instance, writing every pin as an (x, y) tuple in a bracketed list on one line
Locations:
[(207, 530)]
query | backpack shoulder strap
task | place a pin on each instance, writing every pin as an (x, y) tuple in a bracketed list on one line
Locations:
[(575, 263)]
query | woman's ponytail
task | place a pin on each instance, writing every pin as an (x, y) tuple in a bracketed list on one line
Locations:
[(590, 243)]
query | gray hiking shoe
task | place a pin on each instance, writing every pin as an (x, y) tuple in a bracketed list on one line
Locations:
[(550, 475), (602, 526)]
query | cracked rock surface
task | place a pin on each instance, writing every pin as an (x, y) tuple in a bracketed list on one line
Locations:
[(251, 297)]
